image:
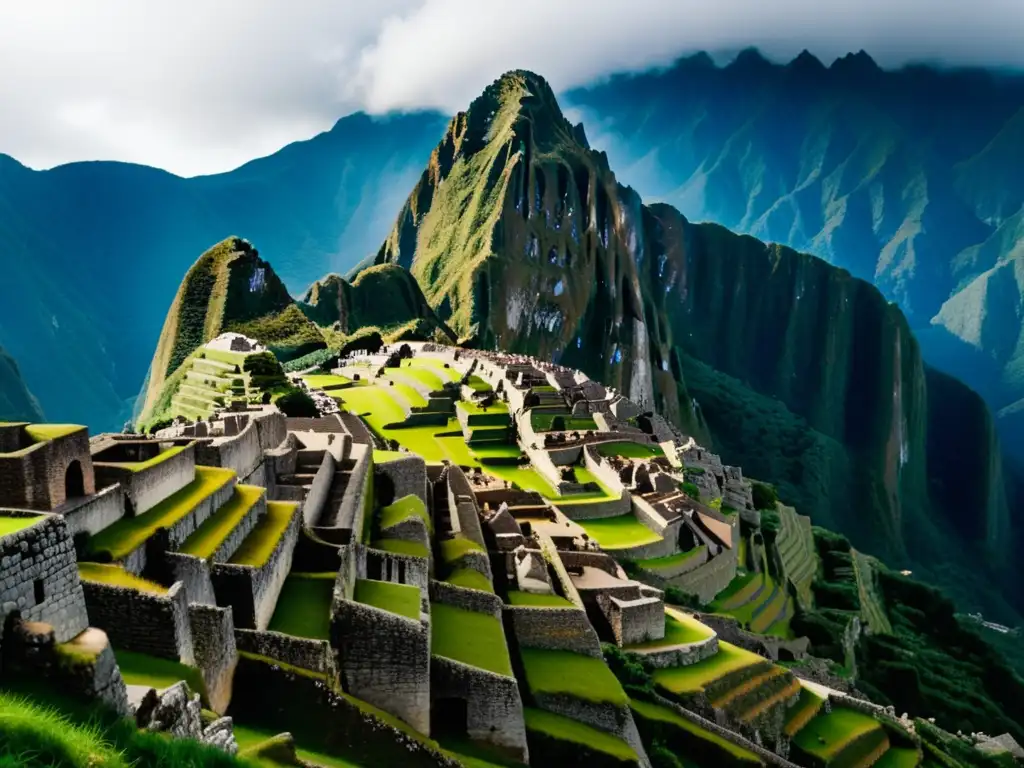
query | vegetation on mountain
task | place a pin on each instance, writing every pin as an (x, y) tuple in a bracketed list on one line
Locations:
[(16, 402)]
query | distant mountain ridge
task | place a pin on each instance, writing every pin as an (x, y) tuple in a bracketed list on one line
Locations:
[(907, 178), (16, 402)]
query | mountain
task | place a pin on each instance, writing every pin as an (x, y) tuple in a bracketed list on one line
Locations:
[(16, 402), (905, 178), (523, 240), (91, 252)]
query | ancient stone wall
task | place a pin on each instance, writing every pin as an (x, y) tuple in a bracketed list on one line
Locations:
[(494, 709), (99, 512), (243, 528), (602, 469), (604, 716), (37, 477), (319, 490), (157, 625), (214, 650), (351, 510), (381, 565), (39, 577), (384, 659), (271, 427), (554, 629), (241, 452), (729, 630), (593, 510), (301, 652), (650, 517), (148, 487), (469, 599), (408, 476), (194, 574), (601, 560), (634, 621), (709, 579), (462, 504)]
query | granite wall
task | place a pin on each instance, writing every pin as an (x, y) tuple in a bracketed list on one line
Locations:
[(194, 574), (301, 652), (408, 475), (554, 629), (37, 476), (157, 625), (214, 650), (99, 512), (148, 487)]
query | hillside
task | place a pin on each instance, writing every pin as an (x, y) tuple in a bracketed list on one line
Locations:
[(16, 402), (905, 178), (523, 240), (92, 252)]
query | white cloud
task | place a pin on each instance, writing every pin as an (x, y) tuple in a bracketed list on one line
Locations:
[(202, 85)]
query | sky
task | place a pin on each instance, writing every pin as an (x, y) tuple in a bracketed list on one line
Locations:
[(202, 86)]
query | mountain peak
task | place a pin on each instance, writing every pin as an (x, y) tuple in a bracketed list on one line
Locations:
[(858, 64), (806, 62), (750, 60)]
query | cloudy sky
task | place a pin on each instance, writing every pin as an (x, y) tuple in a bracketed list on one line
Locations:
[(200, 86)]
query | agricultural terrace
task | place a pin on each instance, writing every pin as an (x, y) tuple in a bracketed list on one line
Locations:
[(544, 420), (12, 524), (116, 576), (670, 562), (129, 533), (325, 381), (695, 739), (259, 545), (139, 466), (575, 732), (401, 599), (680, 629), (757, 602), (401, 547), (403, 509), (458, 547), (619, 532), (572, 674), (628, 449), (534, 600), (476, 639), (806, 708), (260, 744), (469, 578), (826, 736), (693, 678), (304, 606), (141, 669), (429, 376), (208, 537)]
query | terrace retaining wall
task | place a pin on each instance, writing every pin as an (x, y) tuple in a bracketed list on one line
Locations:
[(381, 565), (634, 621), (408, 475), (301, 652), (729, 630), (606, 717), (319, 490), (709, 579), (241, 452), (36, 477), (602, 469), (157, 625), (678, 655), (175, 535), (148, 487), (594, 510), (554, 629), (213, 641), (243, 528), (463, 597), (99, 512), (194, 574)]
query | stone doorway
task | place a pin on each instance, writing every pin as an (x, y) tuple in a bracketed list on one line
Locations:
[(74, 481), (449, 718)]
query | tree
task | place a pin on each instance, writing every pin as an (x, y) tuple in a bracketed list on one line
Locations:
[(297, 404)]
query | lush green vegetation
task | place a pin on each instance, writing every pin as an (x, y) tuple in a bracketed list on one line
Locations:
[(396, 598), (297, 404), (326, 380), (532, 599), (117, 576), (259, 545), (402, 547), (142, 669), (457, 547), (685, 738), (543, 420), (680, 629), (470, 578), (218, 526), (10, 524), (160, 458), (671, 561), (473, 638), (765, 496), (581, 736), (806, 708), (304, 606), (629, 449), (829, 734), (693, 678), (261, 745), (403, 509), (619, 532), (129, 533), (572, 674)]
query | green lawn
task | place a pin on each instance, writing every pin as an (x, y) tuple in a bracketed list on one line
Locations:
[(566, 729), (160, 458), (373, 403), (379, 457), (680, 629), (739, 591), (423, 375), (542, 420), (470, 579), (477, 384), (325, 380), (10, 525), (806, 708), (671, 561), (526, 478), (401, 547), (140, 669), (43, 432), (473, 638), (216, 528), (259, 545), (694, 677), (304, 607), (250, 740), (498, 407), (619, 532), (434, 365), (660, 714), (224, 356), (515, 597), (129, 533), (396, 598), (116, 576), (455, 548), (629, 449), (899, 757), (827, 735), (403, 509), (573, 674)]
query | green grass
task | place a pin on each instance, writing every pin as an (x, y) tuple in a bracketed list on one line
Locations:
[(224, 355), (116, 576), (304, 606), (409, 393), (259, 545), (470, 579), (477, 384), (423, 375), (671, 561), (435, 365), (694, 677), (899, 757), (403, 509), (128, 534), (566, 729), (380, 457), (142, 669), (325, 380), (396, 598), (827, 735), (216, 528), (541, 420), (374, 404), (573, 674), (801, 713), (515, 597), (739, 591), (43, 432), (476, 639), (680, 629), (498, 407), (619, 532), (10, 525), (458, 547), (401, 547), (160, 458), (628, 449), (661, 714)]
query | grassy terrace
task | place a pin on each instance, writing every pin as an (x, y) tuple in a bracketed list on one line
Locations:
[(129, 533), (379, 457), (160, 458), (533, 600), (899, 757), (619, 532), (259, 545), (401, 547), (572, 674), (140, 669), (427, 376), (628, 449), (663, 715), (409, 393), (671, 561), (544, 421), (739, 592), (223, 356), (212, 533), (680, 629), (828, 735), (457, 547), (43, 432), (498, 407), (805, 709), (566, 729), (435, 365), (470, 579), (403, 509), (325, 380), (116, 576), (693, 678), (304, 607), (253, 741), (473, 638), (10, 524), (396, 598), (477, 384)]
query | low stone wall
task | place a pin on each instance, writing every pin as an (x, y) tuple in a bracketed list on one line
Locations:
[(494, 708), (408, 475), (301, 652), (601, 560), (462, 503), (388, 566), (679, 655), (176, 535), (252, 592), (692, 563), (148, 487), (469, 599), (214, 650), (554, 629), (99, 512), (319, 490), (662, 548), (645, 512), (594, 510), (564, 456), (41, 558), (243, 528), (709, 579), (610, 718), (729, 630), (384, 659), (157, 625), (602, 469), (194, 574), (241, 452), (351, 511), (634, 621)]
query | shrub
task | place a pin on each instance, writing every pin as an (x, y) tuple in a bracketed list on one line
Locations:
[(691, 490), (634, 674), (297, 404), (765, 496)]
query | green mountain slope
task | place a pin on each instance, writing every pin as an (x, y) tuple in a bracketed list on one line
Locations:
[(91, 252), (16, 402), (522, 239), (905, 178)]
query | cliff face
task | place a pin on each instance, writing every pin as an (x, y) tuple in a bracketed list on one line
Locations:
[(522, 239), (16, 402)]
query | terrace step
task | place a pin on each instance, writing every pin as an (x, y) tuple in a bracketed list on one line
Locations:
[(724, 699), (208, 379), (213, 366), (803, 712), (222, 533), (784, 695), (768, 611)]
